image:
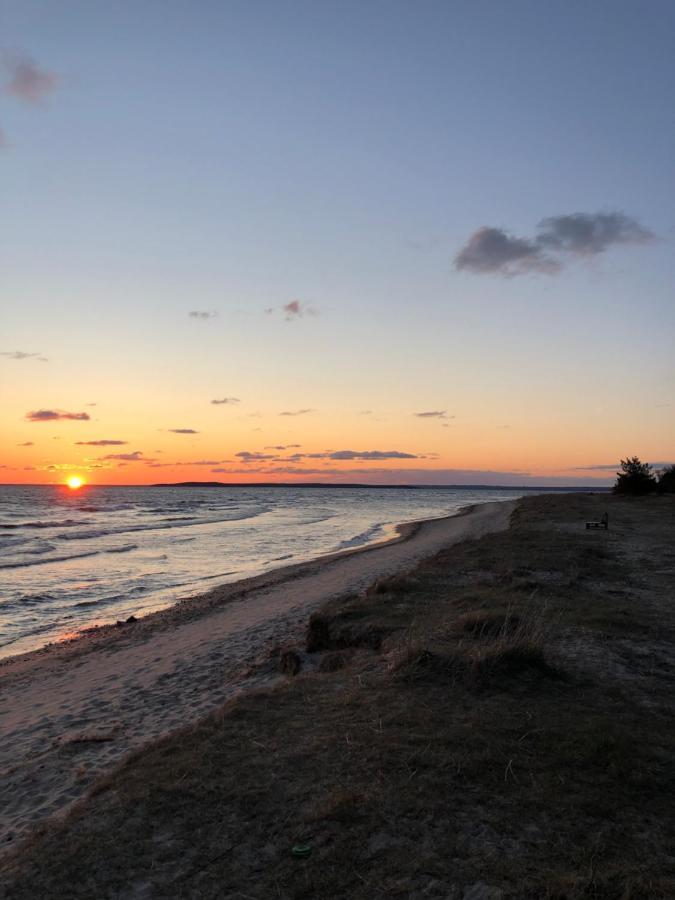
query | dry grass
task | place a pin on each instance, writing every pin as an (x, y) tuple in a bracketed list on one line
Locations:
[(445, 756)]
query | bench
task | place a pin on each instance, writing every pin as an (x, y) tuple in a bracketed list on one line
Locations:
[(603, 523)]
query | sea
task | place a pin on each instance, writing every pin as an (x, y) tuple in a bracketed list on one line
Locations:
[(73, 559)]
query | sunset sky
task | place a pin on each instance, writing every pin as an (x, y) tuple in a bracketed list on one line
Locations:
[(362, 241)]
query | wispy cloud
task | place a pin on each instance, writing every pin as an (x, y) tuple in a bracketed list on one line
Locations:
[(102, 443), (433, 414), (494, 251), (296, 309), (182, 430), (203, 314), (21, 354), (614, 467), (27, 81), (247, 456), (136, 456), (296, 412), (225, 400), (26, 444), (283, 447), (369, 454), (55, 415)]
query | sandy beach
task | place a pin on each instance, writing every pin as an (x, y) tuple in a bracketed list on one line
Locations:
[(72, 710)]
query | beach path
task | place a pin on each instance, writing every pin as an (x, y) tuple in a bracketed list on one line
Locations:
[(70, 712)]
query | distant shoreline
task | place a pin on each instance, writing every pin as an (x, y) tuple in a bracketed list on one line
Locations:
[(351, 485), (542, 489)]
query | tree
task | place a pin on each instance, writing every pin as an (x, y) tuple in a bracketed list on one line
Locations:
[(635, 477), (666, 483)]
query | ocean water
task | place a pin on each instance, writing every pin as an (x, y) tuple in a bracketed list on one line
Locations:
[(73, 559)]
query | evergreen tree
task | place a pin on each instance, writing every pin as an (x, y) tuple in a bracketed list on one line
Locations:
[(635, 477)]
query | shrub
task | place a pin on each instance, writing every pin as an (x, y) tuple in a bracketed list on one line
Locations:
[(666, 483)]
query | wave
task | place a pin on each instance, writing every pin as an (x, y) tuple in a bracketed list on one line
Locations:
[(364, 538), (66, 523), (42, 562), (125, 549), (184, 522)]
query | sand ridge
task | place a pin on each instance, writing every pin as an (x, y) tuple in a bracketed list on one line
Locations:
[(71, 712)]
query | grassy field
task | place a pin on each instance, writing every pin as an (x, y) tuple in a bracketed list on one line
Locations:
[(497, 723)]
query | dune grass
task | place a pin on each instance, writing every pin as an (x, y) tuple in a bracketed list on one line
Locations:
[(496, 724)]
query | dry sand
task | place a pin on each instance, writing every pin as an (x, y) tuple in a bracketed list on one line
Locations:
[(72, 710)]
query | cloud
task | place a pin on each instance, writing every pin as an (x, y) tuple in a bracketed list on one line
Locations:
[(369, 454), (433, 414), (203, 314), (587, 235), (248, 457), (293, 310), (26, 444), (225, 400), (136, 456), (20, 354), (284, 447), (493, 251), (614, 467), (54, 415), (27, 81), (182, 431), (103, 443), (296, 412)]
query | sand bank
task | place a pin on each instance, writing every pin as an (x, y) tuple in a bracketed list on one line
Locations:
[(70, 711)]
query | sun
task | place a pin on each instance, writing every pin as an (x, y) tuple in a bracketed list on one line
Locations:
[(74, 482)]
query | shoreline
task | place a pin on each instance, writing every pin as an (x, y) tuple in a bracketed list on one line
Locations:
[(181, 609), (96, 698)]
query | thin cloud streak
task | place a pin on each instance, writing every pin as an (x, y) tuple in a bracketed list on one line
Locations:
[(55, 415), (433, 414), (102, 443), (21, 354)]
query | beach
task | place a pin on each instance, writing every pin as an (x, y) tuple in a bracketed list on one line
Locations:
[(488, 719), (74, 709)]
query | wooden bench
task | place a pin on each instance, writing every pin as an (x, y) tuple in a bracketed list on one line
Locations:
[(603, 523)]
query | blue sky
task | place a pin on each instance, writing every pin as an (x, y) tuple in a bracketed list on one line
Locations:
[(236, 157)]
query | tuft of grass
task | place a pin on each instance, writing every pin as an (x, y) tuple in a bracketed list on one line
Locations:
[(396, 584), (484, 624)]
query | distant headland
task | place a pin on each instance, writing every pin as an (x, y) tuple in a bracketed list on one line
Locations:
[(351, 485)]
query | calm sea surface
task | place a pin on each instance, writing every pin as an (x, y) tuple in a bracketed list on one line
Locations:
[(72, 559)]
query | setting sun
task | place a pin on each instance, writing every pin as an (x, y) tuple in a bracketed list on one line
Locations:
[(74, 482)]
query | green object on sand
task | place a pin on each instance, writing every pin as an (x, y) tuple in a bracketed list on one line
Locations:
[(301, 851)]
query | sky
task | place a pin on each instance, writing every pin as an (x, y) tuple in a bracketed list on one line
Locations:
[(383, 242)]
